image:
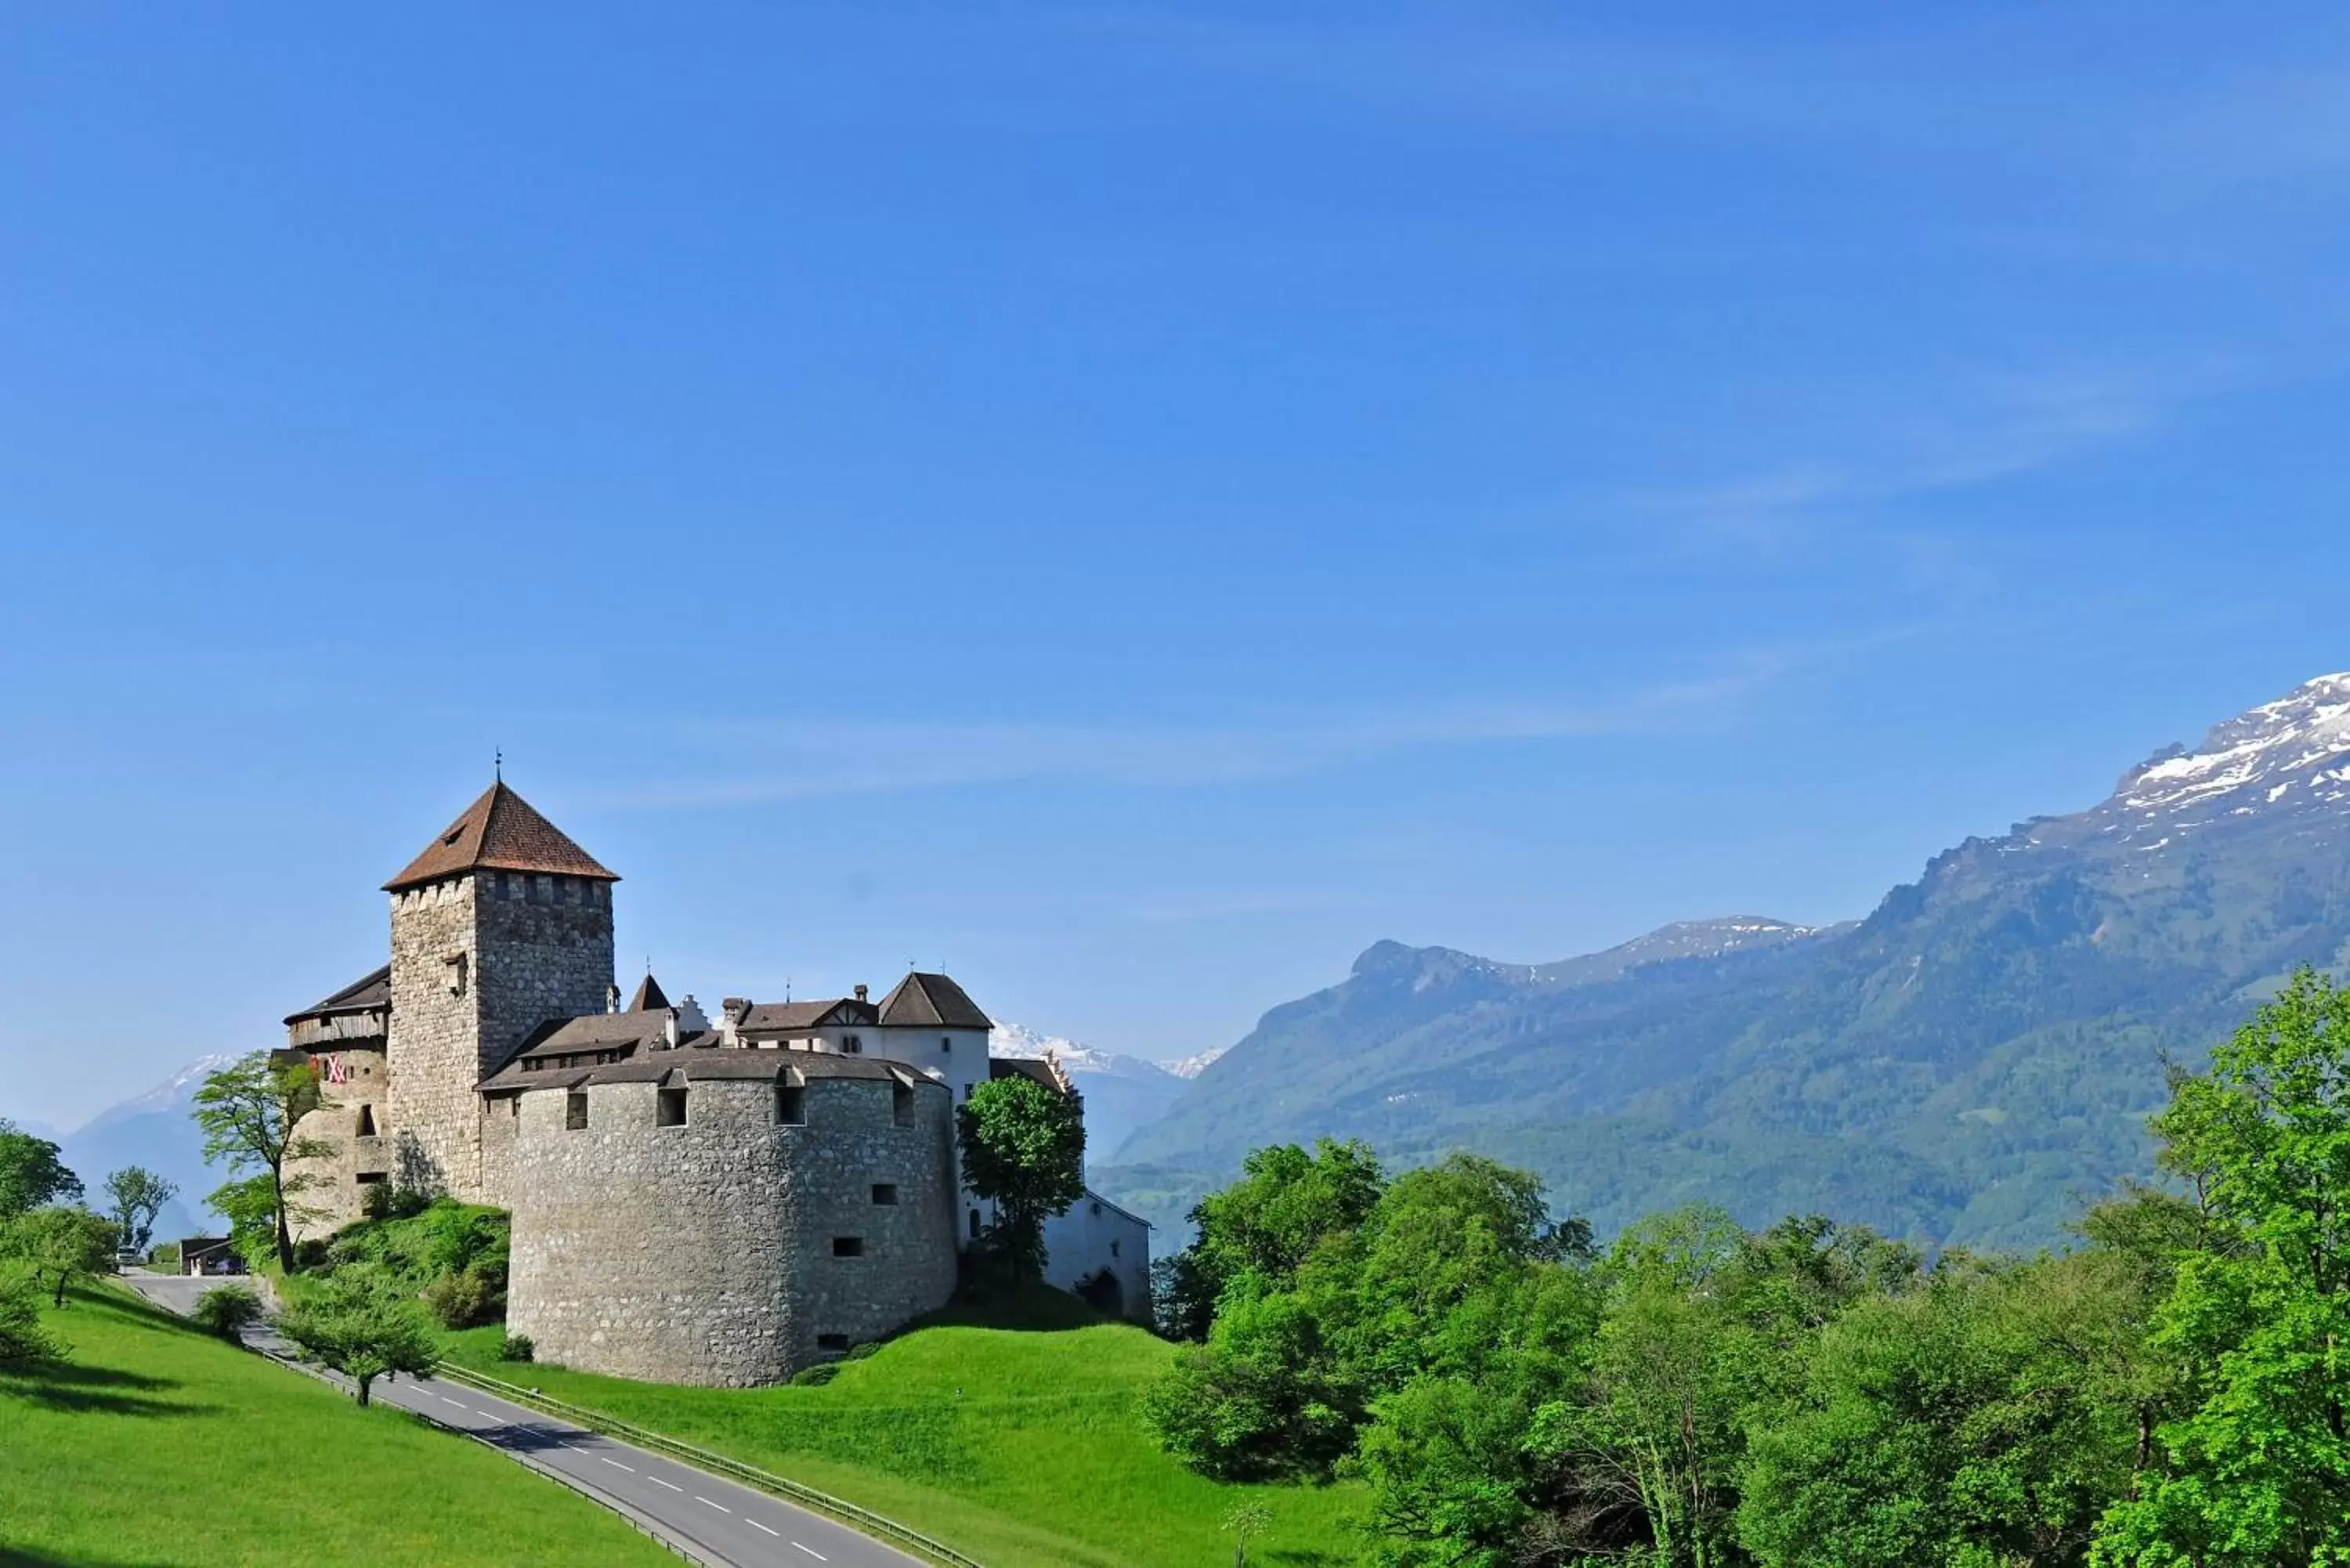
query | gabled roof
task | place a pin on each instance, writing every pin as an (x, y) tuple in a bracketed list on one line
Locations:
[(365, 994), (500, 831), (931, 1001), (767, 1017), (649, 996)]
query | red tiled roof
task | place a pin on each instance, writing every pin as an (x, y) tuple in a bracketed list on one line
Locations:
[(500, 831)]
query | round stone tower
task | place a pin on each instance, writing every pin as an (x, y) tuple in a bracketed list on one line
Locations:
[(728, 1216), (500, 925)]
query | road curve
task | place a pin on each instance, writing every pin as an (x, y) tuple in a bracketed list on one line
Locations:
[(725, 1523)]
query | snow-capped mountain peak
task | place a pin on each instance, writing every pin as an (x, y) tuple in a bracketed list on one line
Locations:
[(1016, 1039), (2297, 746), (1193, 1066)]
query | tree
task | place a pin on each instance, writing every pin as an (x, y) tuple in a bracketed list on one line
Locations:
[(2256, 1468), (1244, 1521), (248, 1111), (362, 1323), (31, 1175), (139, 1195), (1024, 1149), (1976, 1419), (60, 1244)]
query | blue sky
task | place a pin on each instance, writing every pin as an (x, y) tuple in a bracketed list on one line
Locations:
[(1128, 503)]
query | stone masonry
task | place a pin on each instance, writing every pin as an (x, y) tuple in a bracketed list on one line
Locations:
[(477, 961), (733, 1249)]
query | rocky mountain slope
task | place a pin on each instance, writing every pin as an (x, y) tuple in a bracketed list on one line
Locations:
[(1963, 1065)]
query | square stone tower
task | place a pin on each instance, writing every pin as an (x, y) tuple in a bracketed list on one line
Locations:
[(500, 925)]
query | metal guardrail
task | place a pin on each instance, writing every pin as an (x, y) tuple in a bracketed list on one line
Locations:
[(847, 1513)]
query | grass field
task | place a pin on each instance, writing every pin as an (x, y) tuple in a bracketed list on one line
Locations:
[(1019, 1447), (152, 1445)]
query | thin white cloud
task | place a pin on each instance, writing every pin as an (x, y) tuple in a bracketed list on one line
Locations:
[(757, 763)]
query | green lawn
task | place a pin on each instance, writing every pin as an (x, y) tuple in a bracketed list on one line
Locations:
[(1020, 1447), (154, 1445)]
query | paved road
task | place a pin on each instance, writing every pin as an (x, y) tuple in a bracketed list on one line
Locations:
[(727, 1523)]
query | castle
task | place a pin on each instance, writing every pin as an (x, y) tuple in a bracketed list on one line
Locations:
[(693, 1203)]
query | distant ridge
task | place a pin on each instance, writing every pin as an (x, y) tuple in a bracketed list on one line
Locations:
[(1963, 1065)]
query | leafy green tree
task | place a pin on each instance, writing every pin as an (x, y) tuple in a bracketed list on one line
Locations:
[(1243, 1522), (31, 1175), (1984, 1417), (138, 1195), (248, 1111), (1024, 1149), (1286, 1205), (60, 1244), (1265, 1400), (1453, 1480), (2255, 1469), (22, 1338), (362, 1323)]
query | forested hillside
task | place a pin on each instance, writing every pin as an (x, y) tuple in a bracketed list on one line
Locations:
[(1960, 1067)]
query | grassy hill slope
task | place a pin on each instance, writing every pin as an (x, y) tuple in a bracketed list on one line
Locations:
[(156, 1446), (1019, 1447)]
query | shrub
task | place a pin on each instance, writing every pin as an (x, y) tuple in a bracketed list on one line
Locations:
[(22, 1338), (460, 1299), (860, 1352), (517, 1347), (815, 1377), (227, 1310)]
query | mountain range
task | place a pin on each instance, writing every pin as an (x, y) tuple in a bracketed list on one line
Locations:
[(154, 1129), (1968, 1064)]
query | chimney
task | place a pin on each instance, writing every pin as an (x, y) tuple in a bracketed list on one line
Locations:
[(611, 998), (669, 1028), (730, 1016), (861, 993)]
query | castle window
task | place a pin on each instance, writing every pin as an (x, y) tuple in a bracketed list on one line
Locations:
[(367, 1121), (946, 1043), (974, 1224), (848, 1246), (851, 1045), (791, 1105), (369, 1178), (885, 1193), (669, 1110), (574, 1111), (901, 1105), (1112, 1249), (453, 968), (832, 1342)]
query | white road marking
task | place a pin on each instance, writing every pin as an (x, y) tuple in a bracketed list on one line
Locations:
[(813, 1552), (719, 1506), (672, 1485), (446, 1400), (756, 1525), (618, 1465)]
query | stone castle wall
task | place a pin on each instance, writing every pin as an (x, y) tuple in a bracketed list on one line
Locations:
[(477, 962), (705, 1253), (352, 1123)]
